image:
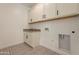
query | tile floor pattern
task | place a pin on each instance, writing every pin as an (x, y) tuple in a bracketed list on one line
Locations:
[(24, 49)]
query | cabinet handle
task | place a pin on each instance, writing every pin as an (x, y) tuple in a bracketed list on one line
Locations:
[(31, 19), (57, 12), (26, 36), (44, 16)]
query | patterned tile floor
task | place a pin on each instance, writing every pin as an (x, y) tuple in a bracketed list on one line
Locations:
[(24, 49)]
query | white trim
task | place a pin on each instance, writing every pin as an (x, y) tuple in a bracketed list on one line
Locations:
[(10, 44), (56, 50)]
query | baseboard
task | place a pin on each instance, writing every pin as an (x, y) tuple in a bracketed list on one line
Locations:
[(28, 44), (10, 44)]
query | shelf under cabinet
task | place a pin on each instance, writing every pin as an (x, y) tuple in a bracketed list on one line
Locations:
[(56, 18)]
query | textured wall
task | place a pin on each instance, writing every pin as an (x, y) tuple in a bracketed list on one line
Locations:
[(13, 18), (49, 38)]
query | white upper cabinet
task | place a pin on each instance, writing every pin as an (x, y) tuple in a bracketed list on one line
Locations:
[(36, 12), (43, 11), (50, 10), (65, 9)]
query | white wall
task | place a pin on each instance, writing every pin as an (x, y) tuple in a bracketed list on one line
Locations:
[(13, 18), (49, 38)]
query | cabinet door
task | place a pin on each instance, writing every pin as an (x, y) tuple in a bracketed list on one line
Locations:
[(35, 38), (36, 12), (28, 38), (64, 9), (50, 10)]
